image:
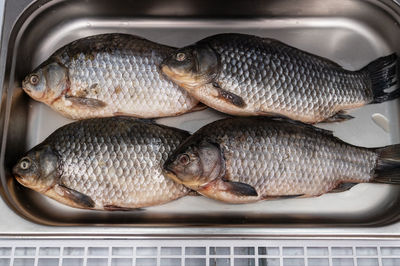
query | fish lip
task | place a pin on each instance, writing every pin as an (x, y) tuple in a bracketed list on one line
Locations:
[(25, 87), (14, 171), (163, 63), (170, 173), (165, 69), (19, 178), (167, 169)]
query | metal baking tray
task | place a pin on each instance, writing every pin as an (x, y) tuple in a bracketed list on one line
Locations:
[(350, 32)]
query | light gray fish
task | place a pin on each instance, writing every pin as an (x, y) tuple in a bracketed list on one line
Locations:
[(104, 164), (247, 75), (240, 160), (107, 75)]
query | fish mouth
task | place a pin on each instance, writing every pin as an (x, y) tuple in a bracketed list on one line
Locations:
[(25, 87), (14, 172), (171, 174), (182, 78), (20, 179), (167, 71), (172, 73)]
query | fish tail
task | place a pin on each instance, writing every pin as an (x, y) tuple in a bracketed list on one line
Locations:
[(388, 165), (384, 73)]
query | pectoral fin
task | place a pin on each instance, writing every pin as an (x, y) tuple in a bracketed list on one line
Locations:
[(231, 192), (77, 198), (272, 114), (118, 208), (229, 97), (198, 107), (240, 189), (338, 117), (83, 102), (284, 197), (342, 187)]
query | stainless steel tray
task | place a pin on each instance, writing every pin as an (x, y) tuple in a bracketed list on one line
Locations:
[(352, 33)]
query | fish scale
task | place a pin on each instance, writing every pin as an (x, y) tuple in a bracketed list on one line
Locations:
[(116, 161), (276, 157), (249, 76), (115, 74)]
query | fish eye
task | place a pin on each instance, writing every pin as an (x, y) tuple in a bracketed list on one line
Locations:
[(184, 159), (34, 80), (25, 163), (180, 56)]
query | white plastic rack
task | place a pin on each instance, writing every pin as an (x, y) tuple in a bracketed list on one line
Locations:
[(198, 252)]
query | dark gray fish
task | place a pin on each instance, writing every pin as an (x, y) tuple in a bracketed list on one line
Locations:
[(104, 163), (241, 160), (247, 75), (107, 75)]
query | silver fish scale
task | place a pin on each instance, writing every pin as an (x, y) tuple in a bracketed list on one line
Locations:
[(280, 158), (117, 161), (273, 77), (123, 72)]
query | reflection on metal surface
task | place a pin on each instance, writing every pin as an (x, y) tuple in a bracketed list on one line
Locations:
[(381, 121), (352, 33)]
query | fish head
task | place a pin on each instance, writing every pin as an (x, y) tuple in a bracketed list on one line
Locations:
[(191, 66), (47, 82), (195, 165), (37, 169)]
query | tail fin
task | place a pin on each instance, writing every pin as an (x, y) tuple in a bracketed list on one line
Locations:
[(388, 165), (384, 73)]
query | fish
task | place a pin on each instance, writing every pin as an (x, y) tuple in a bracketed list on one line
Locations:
[(247, 75), (108, 75), (248, 159), (104, 164)]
